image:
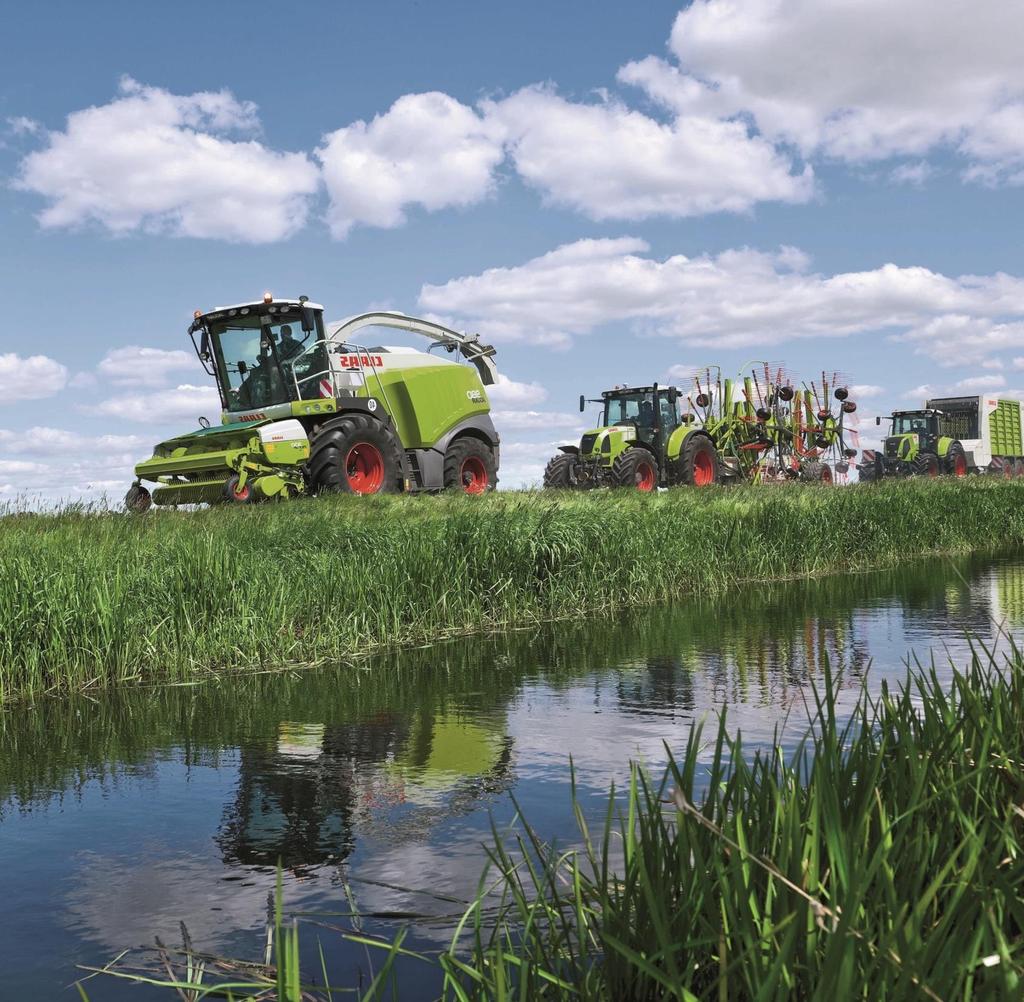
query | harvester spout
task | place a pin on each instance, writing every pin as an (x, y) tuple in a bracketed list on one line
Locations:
[(480, 355)]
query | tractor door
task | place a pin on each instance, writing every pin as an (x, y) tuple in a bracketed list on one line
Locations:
[(667, 404)]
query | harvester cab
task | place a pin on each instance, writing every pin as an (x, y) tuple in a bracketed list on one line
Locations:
[(306, 408)]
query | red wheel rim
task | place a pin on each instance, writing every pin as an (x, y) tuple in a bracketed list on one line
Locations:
[(645, 480), (364, 467), (703, 469), (241, 494), (474, 475), (826, 474), (960, 466), (933, 469)]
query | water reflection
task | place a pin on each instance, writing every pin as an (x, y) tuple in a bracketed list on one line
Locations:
[(122, 814)]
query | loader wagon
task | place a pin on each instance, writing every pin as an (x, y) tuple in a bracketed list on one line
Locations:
[(951, 435)]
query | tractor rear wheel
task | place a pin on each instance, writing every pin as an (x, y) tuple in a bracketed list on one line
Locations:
[(634, 467), (469, 467), (813, 472), (355, 454), (956, 461), (698, 464), (560, 473), (925, 464)]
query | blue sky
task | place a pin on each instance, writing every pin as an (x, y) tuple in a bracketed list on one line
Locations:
[(610, 192)]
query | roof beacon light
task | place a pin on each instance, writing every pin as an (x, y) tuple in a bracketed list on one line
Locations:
[(267, 297), (197, 314)]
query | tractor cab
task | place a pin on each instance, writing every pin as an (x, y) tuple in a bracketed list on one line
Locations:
[(259, 352), (912, 432), (645, 414)]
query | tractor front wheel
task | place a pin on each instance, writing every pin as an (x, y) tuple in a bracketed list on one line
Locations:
[(356, 454), (956, 461), (560, 473), (635, 468), (469, 467), (698, 464), (813, 472), (925, 464)]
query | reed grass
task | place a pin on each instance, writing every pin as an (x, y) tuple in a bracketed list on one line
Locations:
[(89, 599), (881, 861)]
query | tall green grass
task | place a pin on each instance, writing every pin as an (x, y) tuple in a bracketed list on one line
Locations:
[(881, 861), (93, 599)]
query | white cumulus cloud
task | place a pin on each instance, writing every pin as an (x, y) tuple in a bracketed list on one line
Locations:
[(426, 149), (611, 162), (183, 403), (141, 366), (857, 81), (163, 162), (30, 378), (507, 392), (737, 298)]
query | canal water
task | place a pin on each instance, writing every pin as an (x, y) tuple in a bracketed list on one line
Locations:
[(376, 786)]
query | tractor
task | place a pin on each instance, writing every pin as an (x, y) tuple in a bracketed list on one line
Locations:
[(642, 441), (307, 410), (915, 446)]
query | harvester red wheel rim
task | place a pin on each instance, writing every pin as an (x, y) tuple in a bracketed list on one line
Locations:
[(645, 479), (826, 474), (364, 467), (241, 493), (703, 470), (960, 466), (474, 475), (933, 468)]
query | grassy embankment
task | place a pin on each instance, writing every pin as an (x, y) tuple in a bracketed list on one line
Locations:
[(91, 599), (882, 862)]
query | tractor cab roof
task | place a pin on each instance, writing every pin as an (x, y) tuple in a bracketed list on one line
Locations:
[(619, 390), (926, 411)]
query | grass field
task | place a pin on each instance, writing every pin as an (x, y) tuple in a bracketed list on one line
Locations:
[(89, 599), (881, 861)]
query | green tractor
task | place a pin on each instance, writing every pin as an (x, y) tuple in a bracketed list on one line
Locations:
[(642, 441), (308, 411), (915, 446)]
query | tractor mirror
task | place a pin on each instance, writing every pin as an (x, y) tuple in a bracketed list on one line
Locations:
[(878, 419), (583, 403), (242, 368), (308, 318), (673, 395)]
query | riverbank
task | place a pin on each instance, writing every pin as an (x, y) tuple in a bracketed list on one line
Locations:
[(879, 861), (92, 599)]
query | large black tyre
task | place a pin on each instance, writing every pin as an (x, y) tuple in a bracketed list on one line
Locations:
[(355, 454), (138, 499), (469, 467), (925, 464), (956, 461), (560, 473), (698, 464), (635, 467), (813, 472)]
